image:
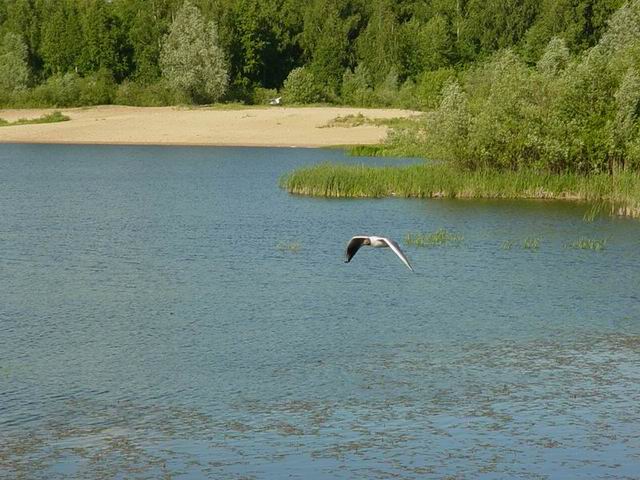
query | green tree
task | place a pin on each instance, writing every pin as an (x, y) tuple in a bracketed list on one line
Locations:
[(261, 38), (426, 47), (378, 46), (490, 25), (191, 59), (555, 58), (302, 87), (23, 18), (61, 36), (330, 26), (579, 23), (624, 127), (14, 69), (104, 42)]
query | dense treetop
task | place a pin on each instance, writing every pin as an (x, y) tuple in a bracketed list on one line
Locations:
[(378, 43), (549, 85)]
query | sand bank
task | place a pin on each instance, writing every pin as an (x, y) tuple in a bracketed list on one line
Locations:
[(270, 126)]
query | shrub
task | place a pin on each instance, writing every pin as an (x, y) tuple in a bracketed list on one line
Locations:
[(429, 87), (356, 88), (301, 86), (148, 95), (262, 96)]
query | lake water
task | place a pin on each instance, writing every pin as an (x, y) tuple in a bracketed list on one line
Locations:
[(171, 313)]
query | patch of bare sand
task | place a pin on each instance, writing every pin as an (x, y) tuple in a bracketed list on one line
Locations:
[(269, 126)]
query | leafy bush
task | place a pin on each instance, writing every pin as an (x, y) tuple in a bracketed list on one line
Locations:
[(148, 95), (97, 89), (430, 85), (57, 91), (356, 88), (301, 86), (262, 96)]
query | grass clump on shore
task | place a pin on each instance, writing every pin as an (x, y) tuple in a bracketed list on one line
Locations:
[(48, 118), (440, 237), (588, 244), (620, 192)]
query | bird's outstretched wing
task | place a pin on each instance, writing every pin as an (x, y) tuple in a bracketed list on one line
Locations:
[(353, 246), (396, 249)]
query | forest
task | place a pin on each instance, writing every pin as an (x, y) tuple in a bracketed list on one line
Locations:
[(545, 84)]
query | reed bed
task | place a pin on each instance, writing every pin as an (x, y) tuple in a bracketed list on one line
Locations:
[(440, 237), (620, 193), (588, 244), (531, 243)]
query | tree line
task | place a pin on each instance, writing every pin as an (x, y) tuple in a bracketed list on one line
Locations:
[(548, 85), (362, 52)]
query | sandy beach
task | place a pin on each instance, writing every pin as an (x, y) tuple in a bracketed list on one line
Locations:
[(259, 126)]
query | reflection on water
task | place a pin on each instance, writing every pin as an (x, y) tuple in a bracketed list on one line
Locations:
[(152, 326)]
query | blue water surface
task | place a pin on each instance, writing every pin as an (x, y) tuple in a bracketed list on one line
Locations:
[(169, 312)]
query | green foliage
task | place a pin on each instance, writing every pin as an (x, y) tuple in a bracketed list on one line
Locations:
[(147, 94), (375, 53), (555, 58), (584, 243), (620, 192), (439, 238), (14, 69), (327, 39), (191, 59), (47, 118), (531, 243), (430, 86), (58, 90), (262, 96), (377, 47), (61, 42), (356, 87), (302, 86)]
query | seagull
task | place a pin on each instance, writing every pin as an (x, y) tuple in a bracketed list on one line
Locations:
[(377, 242)]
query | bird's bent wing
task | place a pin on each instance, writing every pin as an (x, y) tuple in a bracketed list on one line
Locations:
[(352, 247), (396, 249)]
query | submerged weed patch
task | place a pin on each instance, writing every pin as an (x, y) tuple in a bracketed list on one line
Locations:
[(507, 245), (531, 243), (440, 237), (291, 247), (584, 243)]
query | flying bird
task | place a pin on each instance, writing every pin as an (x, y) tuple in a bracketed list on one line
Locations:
[(377, 242)]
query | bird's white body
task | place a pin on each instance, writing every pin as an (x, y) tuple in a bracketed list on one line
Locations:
[(377, 242)]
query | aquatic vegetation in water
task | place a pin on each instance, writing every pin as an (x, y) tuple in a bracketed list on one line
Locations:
[(291, 247), (593, 212), (440, 237), (507, 245), (531, 243), (584, 243), (619, 194)]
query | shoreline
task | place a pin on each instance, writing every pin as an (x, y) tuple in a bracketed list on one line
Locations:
[(282, 127)]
